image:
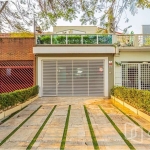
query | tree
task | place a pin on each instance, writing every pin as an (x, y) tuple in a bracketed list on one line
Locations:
[(18, 15), (110, 12)]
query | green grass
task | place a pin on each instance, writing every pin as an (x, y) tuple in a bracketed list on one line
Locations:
[(118, 130), (40, 129), (146, 131), (4, 120), (63, 141), (95, 143), (7, 137)]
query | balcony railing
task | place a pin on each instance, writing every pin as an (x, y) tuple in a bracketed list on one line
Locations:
[(122, 40), (68, 39), (133, 40)]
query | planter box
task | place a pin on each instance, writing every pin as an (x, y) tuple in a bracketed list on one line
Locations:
[(131, 108), (14, 109), (136, 111), (145, 116)]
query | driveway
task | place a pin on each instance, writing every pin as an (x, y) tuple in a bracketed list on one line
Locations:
[(74, 123)]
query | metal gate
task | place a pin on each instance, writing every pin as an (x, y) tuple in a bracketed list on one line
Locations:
[(73, 77), (136, 75)]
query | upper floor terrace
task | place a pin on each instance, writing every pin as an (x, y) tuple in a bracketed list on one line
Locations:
[(121, 41)]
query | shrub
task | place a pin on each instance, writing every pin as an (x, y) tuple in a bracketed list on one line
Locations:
[(19, 96), (139, 99)]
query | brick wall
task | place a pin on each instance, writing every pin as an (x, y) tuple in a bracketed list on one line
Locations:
[(16, 49)]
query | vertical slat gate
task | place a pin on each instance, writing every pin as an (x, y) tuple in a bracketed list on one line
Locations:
[(64, 77), (49, 78), (96, 77), (73, 77), (80, 77)]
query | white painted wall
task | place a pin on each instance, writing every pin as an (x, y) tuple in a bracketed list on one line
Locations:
[(71, 49), (128, 56)]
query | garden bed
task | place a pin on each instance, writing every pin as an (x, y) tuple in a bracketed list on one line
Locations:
[(136, 100), (14, 101)]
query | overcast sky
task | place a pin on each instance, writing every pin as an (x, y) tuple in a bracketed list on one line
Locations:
[(142, 18)]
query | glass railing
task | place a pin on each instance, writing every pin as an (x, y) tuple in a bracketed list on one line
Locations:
[(121, 40), (60, 39)]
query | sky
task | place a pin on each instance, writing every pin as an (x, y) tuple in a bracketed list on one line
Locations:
[(141, 18)]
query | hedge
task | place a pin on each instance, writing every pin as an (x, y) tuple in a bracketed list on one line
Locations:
[(139, 99), (11, 99)]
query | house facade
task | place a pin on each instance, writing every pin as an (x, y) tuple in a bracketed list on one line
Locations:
[(132, 62), (76, 61)]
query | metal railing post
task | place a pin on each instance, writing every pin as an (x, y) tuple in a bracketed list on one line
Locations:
[(81, 39), (136, 43), (51, 39), (66, 39), (114, 38)]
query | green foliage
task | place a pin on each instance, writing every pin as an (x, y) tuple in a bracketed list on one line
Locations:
[(19, 96), (63, 141), (22, 15), (139, 99), (94, 140), (75, 39)]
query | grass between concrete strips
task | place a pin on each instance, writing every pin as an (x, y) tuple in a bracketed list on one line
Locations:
[(118, 130), (40, 129), (146, 131), (8, 136), (4, 120), (95, 143), (63, 141)]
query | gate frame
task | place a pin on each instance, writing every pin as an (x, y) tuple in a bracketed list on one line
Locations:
[(40, 70)]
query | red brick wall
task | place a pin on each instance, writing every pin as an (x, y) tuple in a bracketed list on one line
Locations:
[(17, 49)]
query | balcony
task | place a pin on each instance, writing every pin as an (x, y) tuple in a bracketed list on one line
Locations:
[(133, 40), (90, 43), (74, 39)]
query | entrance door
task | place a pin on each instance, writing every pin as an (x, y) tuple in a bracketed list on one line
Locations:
[(64, 77)]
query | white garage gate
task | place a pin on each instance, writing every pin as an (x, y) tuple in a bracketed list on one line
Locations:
[(74, 77)]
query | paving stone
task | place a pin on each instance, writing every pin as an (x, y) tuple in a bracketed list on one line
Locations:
[(78, 135)]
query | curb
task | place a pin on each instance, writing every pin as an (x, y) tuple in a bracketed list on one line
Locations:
[(136, 111), (19, 107)]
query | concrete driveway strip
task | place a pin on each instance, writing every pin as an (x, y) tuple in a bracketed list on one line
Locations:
[(139, 139), (7, 127), (51, 136), (106, 134), (25, 134), (76, 136)]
